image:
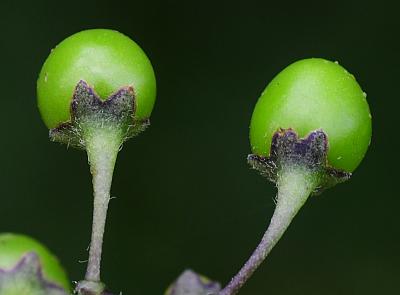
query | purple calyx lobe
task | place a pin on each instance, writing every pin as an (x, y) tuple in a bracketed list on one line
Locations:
[(310, 152), (26, 278), (87, 107), (191, 283)]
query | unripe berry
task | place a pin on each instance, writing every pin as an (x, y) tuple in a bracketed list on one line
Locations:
[(315, 94), (105, 59)]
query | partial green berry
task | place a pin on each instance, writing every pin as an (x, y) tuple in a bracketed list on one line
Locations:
[(13, 247), (315, 94), (105, 59)]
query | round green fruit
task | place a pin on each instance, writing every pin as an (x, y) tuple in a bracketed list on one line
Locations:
[(314, 94), (107, 60), (14, 246)]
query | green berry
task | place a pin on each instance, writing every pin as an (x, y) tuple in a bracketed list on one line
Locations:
[(314, 94), (107, 60), (13, 247)]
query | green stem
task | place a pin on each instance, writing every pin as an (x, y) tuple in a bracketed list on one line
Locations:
[(294, 184), (102, 145)]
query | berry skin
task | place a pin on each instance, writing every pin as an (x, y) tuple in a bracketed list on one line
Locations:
[(314, 94), (14, 246), (107, 60)]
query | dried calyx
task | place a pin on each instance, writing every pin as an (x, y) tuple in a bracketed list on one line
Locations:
[(89, 112), (26, 278), (309, 154), (191, 283)]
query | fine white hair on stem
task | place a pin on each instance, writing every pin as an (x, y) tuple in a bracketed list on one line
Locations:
[(102, 145), (295, 184)]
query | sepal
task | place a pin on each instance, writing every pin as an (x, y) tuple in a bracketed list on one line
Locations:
[(26, 278)]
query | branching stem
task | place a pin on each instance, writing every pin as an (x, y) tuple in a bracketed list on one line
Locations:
[(294, 186)]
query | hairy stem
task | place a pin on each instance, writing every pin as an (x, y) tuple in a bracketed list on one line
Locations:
[(102, 145), (294, 186)]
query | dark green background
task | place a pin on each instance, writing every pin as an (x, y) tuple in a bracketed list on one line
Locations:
[(185, 194)]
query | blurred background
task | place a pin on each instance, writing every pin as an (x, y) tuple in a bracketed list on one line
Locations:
[(185, 196)]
